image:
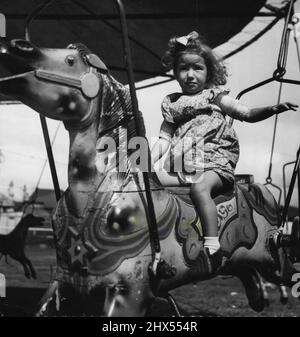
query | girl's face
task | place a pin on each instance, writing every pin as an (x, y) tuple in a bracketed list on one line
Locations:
[(191, 73)]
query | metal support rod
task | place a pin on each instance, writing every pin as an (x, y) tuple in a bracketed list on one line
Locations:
[(269, 177), (282, 56), (50, 157), (286, 80), (291, 188), (46, 160), (153, 228), (29, 18), (129, 68), (298, 178), (296, 39), (255, 86), (284, 179), (281, 60), (32, 15)]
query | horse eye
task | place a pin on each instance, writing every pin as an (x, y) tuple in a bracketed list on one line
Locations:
[(22, 45), (70, 60)]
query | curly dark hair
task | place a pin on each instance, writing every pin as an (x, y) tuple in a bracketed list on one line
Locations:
[(216, 70)]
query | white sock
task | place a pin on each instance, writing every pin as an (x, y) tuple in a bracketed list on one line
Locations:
[(212, 243)]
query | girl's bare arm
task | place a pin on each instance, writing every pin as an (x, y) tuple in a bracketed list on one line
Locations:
[(259, 114), (237, 110)]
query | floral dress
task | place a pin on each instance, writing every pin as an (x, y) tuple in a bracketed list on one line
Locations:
[(202, 140)]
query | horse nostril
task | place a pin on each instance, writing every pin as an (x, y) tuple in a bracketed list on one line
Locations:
[(22, 45)]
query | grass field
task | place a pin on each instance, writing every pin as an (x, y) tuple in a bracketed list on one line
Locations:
[(217, 297)]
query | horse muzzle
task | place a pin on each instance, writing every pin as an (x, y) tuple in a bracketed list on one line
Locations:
[(15, 58)]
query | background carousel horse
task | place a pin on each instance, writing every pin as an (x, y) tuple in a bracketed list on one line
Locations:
[(100, 223), (13, 244)]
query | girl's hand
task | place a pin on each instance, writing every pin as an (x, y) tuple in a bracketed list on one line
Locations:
[(284, 107)]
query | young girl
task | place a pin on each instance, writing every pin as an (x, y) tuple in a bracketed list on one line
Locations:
[(199, 113)]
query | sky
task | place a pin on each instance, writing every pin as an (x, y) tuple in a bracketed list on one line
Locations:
[(23, 150)]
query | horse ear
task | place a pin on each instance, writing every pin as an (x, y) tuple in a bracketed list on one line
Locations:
[(96, 62)]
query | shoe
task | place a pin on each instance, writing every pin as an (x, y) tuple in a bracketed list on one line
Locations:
[(208, 264)]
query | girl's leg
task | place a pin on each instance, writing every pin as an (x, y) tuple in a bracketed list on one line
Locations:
[(201, 195)]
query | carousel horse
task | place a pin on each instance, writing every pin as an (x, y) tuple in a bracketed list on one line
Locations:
[(101, 221)]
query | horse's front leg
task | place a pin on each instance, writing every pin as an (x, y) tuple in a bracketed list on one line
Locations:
[(23, 262), (32, 270)]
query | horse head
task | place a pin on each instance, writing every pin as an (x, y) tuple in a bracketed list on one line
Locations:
[(58, 83)]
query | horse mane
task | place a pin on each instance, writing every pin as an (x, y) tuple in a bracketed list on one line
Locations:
[(115, 117), (82, 49)]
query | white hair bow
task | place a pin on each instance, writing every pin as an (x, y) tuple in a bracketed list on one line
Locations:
[(184, 39)]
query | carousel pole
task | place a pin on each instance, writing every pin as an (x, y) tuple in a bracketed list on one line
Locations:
[(295, 174), (296, 23), (159, 267), (292, 23)]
